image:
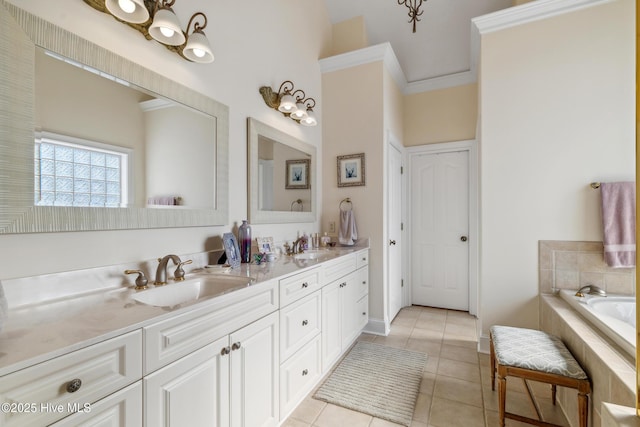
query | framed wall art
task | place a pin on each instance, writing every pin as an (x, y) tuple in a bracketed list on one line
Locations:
[(351, 170), (298, 174), (265, 245)]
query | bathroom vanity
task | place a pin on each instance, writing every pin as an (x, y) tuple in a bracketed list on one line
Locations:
[(244, 356)]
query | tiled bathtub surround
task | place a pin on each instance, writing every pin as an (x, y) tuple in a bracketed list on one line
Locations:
[(569, 265)]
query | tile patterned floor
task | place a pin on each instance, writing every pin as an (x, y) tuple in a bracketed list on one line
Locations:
[(456, 382)]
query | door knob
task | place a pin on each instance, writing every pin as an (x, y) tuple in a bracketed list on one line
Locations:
[(463, 238), (392, 242)]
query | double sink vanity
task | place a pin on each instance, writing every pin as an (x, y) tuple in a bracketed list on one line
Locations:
[(236, 348)]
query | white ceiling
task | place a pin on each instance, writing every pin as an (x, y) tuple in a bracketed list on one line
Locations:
[(441, 44)]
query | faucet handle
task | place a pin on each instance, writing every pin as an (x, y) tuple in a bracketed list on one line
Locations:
[(178, 275), (141, 280)]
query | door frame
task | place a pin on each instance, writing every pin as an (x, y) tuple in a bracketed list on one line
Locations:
[(471, 147), (391, 140)]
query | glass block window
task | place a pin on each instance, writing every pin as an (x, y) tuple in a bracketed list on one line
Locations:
[(73, 172)]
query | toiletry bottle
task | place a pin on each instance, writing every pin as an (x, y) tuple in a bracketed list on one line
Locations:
[(324, 240), (244, 236), (305, 241)]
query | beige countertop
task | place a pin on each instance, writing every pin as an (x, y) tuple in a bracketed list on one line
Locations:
[(35, 332)]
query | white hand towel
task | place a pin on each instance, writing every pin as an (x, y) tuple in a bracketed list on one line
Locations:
[(348, 232)]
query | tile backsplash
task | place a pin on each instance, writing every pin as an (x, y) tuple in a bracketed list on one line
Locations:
[(571, 264)]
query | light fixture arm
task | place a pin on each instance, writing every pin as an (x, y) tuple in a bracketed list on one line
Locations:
[(283, 90), (196, 26), (307, 101)]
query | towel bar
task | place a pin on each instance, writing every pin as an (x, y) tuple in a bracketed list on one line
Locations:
[(347, 200)]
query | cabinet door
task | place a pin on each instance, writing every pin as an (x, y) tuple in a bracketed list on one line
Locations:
[(254, 380), (331, 324), (121, 409), (193, 391), (350, 309)]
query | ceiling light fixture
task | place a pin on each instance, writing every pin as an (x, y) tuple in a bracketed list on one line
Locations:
[(292, 103), (414, 10), (155, 19)]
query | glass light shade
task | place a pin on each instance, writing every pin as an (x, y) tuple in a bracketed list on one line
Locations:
[(287, 104), (198, 48), (310, 120), (133, 11), (166, 28), (300, 112)]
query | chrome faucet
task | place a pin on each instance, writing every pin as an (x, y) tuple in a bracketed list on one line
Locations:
[(161, 271), (591, 290)]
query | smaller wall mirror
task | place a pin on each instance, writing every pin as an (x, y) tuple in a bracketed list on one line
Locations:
[(282, 176)]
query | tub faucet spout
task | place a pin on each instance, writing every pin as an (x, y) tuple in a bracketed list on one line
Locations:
[(591, 290)]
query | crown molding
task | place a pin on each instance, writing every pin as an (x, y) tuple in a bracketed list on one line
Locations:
[(500, 20)]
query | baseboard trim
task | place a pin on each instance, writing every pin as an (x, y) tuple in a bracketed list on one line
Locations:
[(483, 344), (377, 327)]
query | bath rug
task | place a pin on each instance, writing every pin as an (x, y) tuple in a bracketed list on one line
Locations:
[(377, 380)]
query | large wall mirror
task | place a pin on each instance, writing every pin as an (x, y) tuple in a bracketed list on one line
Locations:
[(92, 141), (282, 176)]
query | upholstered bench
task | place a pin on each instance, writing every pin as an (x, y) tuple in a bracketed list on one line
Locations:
[(535, 355)]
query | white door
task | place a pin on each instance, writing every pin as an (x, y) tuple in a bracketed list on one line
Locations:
[(439, 230), (394, 229)]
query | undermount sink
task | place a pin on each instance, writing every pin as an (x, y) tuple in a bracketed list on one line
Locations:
[(190, 290), (313, 255)]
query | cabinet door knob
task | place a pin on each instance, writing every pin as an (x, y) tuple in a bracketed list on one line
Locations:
[(364, 313), (463, 238), (236, 345), (305, 285), (225, 351), (305, 372), (305, 322), (74, 385), (392, 242)]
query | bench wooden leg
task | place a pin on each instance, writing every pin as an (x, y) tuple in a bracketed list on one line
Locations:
[(583, 409), (493, 364), (502, 397), (553, 394)]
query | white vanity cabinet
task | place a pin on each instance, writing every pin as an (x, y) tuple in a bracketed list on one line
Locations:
[(49, 391), (226, 371), (344, 305)]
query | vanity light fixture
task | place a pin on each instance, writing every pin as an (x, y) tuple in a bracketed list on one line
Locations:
[(292, 103), (155, 19)]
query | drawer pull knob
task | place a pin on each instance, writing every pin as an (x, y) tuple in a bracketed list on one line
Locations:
[(305, 322), (74, 385), (225, 351), (305, 285), (364, 313), (305, 372), (236, 345)]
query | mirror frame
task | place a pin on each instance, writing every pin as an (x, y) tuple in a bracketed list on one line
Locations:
[(256, 128), (20, 33)]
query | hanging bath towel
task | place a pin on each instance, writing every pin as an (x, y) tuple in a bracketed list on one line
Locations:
[(348, 231), (619, 223)]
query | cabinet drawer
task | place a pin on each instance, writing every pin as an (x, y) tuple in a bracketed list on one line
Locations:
[(362, 258), (299, 322), (298, 375), (123, 408), (102, 369), (362, 282), (339, 267), (299, 285), (178, 336)]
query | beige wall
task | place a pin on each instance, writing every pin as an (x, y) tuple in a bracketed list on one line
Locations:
[(349, 130), (557, 103), (242, 64), (349, 35), (441, 115)]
